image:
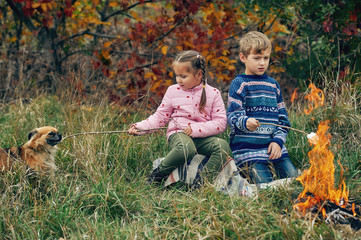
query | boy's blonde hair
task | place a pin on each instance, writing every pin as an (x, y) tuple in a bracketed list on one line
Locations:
[(254, 42)]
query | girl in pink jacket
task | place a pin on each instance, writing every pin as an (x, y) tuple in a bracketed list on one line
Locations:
[(195, 113)]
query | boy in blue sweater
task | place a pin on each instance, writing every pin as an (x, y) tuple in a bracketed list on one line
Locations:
[(254, 100)]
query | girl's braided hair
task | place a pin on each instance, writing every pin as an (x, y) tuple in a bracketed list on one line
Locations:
[(198, 62)]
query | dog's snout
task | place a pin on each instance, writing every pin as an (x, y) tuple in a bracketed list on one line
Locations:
[(54, 138), (57, 137), (60, 136)]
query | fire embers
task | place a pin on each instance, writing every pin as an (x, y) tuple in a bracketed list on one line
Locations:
[(329, 212)]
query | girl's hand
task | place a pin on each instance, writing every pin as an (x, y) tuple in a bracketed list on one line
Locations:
[(133, 130), (274, 151), (188, 131), (252, 124)]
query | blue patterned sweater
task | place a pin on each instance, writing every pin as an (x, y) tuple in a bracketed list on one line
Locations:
[(258, 97)]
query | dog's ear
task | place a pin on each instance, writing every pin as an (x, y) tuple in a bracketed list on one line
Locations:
[(32, 133)]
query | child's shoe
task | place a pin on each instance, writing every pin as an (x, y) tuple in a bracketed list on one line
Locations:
[(157, 177)]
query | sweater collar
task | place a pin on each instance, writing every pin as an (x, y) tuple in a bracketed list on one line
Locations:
[(264, 76)]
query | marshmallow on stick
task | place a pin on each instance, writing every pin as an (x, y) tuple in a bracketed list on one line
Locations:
[(313, 138)]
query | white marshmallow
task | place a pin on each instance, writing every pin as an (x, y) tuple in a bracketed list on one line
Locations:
[(311, 135)]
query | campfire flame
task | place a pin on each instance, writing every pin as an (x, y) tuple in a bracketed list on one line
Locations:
[(294, 95), (319, 179), (316, 98)]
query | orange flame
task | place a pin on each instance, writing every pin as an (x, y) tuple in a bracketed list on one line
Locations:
[(315, 98), (294, 95), (319, 179)]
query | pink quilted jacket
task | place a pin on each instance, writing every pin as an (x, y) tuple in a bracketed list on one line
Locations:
[(180, 108)]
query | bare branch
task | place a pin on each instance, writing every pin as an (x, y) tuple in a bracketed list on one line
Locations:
[(169, 31), (87, 31), (73, 53), (144, 66), (102, 35), (120, 12), (273, 21)]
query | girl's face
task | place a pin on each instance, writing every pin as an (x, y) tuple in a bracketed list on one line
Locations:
[(256, 64), (185, 77)]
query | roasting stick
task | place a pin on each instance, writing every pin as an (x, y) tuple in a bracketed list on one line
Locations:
[(108, 132), (309, 136), (277, 125)]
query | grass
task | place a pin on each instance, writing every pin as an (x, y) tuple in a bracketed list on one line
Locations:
[(99, 191)]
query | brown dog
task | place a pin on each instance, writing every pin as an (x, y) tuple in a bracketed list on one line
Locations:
[(38, 152)]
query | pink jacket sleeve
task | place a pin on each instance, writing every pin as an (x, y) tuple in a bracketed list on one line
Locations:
[(160, 118), (218, 122)]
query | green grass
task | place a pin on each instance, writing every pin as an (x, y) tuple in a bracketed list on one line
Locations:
[(99, 191)]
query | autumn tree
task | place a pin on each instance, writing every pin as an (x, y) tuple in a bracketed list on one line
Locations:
[(125, 48)]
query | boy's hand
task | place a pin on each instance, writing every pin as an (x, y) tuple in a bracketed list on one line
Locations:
[(252, 124), (133, 130), (188, 131), (274, 151)]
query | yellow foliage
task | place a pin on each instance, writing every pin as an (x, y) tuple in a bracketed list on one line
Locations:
[(35, 5), (189, 44), (290, 52), (231, 67), (96, 2), (133, 14), (149, 75), (44, 7), (105, 54), (225, 52), (51, 5), (113, 4), (113, 74), (278, 48), (164, 50), (95, 20), (155, 84), (107, 44), (277, 69), (13, 39)]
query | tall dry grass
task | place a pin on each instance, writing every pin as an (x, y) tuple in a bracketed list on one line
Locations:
[(99, 191)]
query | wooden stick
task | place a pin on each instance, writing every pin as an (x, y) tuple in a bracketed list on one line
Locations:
[(108, 132), (277, 125)]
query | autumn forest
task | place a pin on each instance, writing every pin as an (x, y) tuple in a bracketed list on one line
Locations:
[(91, 68)]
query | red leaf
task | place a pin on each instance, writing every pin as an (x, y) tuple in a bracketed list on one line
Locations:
[(28, 11), (353, 16), (327, 26), (156, 71)]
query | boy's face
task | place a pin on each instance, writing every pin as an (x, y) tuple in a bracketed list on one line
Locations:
[(256, 63)]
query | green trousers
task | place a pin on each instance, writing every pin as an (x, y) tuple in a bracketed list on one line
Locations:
[(184, 148)]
